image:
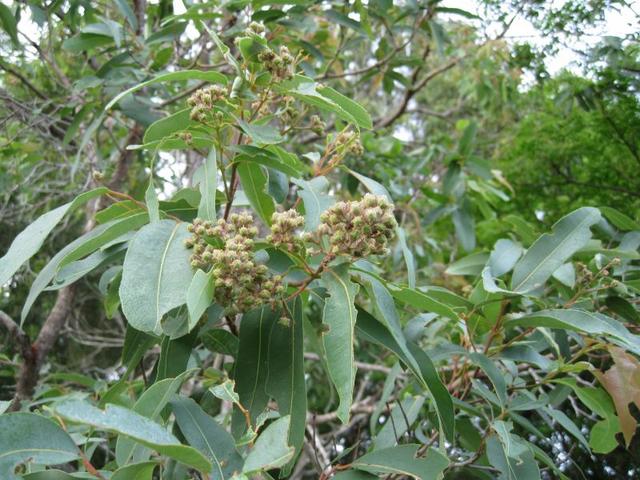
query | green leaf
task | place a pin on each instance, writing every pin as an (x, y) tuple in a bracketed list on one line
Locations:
[(469, 265), (550, 251), (370, 184), (402, 460), (86, 41), (208, 180), (209, 76), (199, 296), (250, 153), (250, 369), (315, 199), (31, 438), (504, 256), (122, 421), (29, 241), (620, 220), (136, 471), (222, 341), (175, 354), (408, 257), (424, 301), (156, 274), (150, 405), (136, 343), (623, 308), (560, 417), (286, 377), (254, 183), (261, 134), (226, 391), (589, 323), (464, 225), (602, 438), (357, 111), (426, 372), (125, 9), (50, 475), (10, 25), (271, 450), (339, 316), (523, 467), (167, 126), (493, 373), (86, 244), (153, 205), (205, 434), (399, 422)]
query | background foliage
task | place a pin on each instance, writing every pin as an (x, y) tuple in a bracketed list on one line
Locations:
[(497, 339)]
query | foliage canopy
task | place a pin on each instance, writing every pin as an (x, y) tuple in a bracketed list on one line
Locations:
[(315, 239)]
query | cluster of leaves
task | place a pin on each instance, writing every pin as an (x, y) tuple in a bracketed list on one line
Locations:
[(320, 334)]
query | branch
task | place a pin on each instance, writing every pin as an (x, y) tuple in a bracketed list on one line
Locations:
[(15, 332)]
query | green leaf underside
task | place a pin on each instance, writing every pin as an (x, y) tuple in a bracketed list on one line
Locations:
[(254, 183), (29, 241), (402, 460), (85, 245), (156, 274), (150, 405), (271, 450), (582, 321), (205, 434), (122, 421), (550, 251), (426, 373), (339, 316), (286, 377), (31, 438), (210, 76)]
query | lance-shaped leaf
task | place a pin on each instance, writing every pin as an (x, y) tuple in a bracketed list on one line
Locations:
[(205, 434), (135, 471), (125, 422), (402, 460), (208, 179), (315, 199), (285, 379), (271, 450), (426, 373), (254, 183), (29, 241), (589, 323), (79, 248), (357, 111), (174, 355), (151, 405), (339, 316), (504, 256), (156, 274), (199, 296), (210, 76), (251, 365), (551, 250), (31, 438)]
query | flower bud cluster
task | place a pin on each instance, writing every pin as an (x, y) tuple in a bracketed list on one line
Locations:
[(316, 125), (360, 228), (280, 65), (240, 283), (350, 141), (256, 27), (283, 230), (203, 100)]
